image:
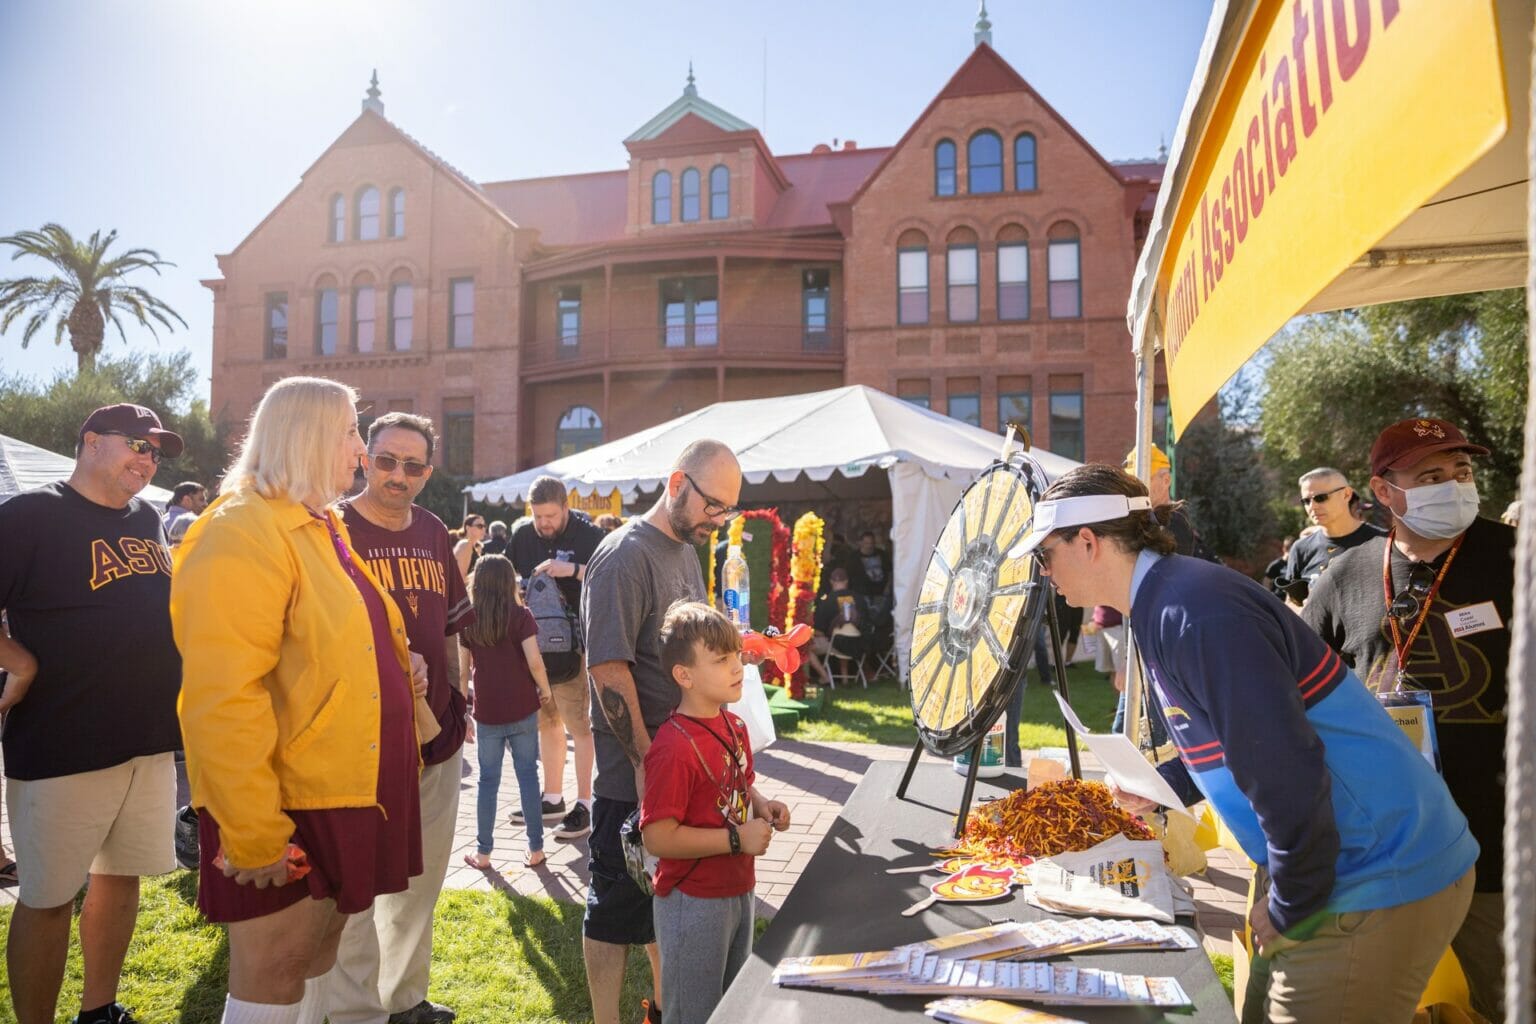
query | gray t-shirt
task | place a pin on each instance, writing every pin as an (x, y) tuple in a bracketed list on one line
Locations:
[(634, 576)]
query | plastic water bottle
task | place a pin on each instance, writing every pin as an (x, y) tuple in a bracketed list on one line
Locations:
[(736, 587)]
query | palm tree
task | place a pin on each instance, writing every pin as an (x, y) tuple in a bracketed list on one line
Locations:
[(90, 288)]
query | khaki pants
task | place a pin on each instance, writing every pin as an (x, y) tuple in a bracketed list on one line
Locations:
[(1367, 966), (386, 950)]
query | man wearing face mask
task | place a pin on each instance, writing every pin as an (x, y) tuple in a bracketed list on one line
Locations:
[(1428, 608)]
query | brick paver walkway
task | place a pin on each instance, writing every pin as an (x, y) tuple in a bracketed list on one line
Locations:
[(814, 779)]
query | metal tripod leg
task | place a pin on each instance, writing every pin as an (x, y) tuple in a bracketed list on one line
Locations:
[(906, 778), (970, 787)]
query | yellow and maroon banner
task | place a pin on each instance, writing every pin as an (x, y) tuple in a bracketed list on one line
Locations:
[(594, 504), (1335, 121)]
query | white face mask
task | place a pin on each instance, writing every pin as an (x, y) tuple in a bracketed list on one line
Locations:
[(1439, 511)]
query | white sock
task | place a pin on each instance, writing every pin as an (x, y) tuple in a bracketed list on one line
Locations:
[(315, 1002), (553, 798), (587, 803), (238, 1011)]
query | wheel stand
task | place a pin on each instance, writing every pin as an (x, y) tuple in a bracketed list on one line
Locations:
[(970, 775)]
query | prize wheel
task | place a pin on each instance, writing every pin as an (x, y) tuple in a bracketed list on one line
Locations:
[(978, 610)]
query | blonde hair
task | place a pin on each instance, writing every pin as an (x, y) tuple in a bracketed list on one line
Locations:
[(285, 452)]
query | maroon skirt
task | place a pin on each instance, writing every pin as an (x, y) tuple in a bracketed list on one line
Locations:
[(355, 853)]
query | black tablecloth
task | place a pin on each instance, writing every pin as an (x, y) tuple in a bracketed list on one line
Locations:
[(845, 902)]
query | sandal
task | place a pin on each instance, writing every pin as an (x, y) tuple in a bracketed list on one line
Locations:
[(469, 858), (534, 858), (8, 875)]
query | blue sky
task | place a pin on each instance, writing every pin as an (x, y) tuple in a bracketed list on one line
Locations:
[(181, 123)]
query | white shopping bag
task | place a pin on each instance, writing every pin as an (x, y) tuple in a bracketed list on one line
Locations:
[(753, 709)]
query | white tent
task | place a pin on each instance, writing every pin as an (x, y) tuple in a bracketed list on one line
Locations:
[(801, 447), (25, 466)]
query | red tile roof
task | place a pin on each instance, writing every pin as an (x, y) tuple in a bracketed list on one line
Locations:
[(588, 209)]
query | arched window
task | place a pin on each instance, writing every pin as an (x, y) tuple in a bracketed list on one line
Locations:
[(912, 278), (719, 193), (367, 213), (402, 312), (327, 316), (661, 198), (1024, 178), (364, 313), (397, 213), (1064, 265), (984, 155), (338, 218), (944, 168), (579, 428), (962, 277), (1012, 273), (690, 196)]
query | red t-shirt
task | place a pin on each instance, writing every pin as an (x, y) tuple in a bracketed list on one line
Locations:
[(678, 786), (417, 567), (504, 688)]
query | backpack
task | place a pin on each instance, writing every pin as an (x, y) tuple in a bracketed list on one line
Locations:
[(558, 638)]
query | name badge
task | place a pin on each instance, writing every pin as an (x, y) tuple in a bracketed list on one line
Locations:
[(1474, 618)]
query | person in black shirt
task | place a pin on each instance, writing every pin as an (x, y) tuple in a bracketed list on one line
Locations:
[(1330, 503), (85, 585), (1274, 572), (558, 541), (1444, 629), (497, 543)]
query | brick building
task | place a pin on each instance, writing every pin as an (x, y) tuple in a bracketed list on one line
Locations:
[(979, 266)]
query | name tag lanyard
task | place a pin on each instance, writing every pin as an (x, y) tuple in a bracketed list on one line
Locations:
[(1405, 647)]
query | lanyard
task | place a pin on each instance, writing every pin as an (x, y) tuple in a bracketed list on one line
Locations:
[(1405, 647), (733, 755)]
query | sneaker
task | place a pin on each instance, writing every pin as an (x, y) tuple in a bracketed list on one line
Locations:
[(186, 838), (117, 1013), (552, 811), (575, 825), (424, 1012)]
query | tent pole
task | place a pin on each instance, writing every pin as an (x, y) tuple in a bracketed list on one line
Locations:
[(1146, 365), (1520, 746)]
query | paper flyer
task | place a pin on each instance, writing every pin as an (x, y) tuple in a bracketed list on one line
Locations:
[(1123, 763)]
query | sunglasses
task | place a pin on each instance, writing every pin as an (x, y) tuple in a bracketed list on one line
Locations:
[(1407, 605), (714, 508), (388, 464), (138, 445), (1321, 499), (1043, 552)]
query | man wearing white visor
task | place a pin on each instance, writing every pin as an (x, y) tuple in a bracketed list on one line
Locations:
[(1366, 863)]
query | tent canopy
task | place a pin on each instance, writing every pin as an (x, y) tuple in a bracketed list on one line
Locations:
[(1408, 181), (804, 448), (824, 437), (25, 466)]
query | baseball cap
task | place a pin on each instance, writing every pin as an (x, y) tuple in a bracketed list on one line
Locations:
[(135, 421), (1061, 513), (1408, 441), (1159, 460)]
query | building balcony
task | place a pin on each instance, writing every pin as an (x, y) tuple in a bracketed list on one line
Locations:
[(782, 345)]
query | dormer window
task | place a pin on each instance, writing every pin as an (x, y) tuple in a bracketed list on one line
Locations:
[(984, 155), (661, 198), (690, 197)]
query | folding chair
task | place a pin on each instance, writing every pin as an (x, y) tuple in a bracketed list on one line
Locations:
[(886, 663), (852, 665)]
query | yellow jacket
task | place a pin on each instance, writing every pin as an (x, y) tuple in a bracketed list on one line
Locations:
[(280, 686)]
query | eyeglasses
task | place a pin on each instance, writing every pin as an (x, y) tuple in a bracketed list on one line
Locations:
[(713, 507), (1043, 552), (388, 463), (476, 526), (1321, 499), (138, 445), (1421, 580)]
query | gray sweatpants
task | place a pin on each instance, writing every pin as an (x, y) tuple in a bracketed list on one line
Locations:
[(703, 941)]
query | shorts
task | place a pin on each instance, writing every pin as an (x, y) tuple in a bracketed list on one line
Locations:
[(1111, 653), (618, 913), (572, 703), (113, 821)]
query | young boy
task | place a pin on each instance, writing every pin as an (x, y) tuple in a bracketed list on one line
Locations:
[(702, 817)]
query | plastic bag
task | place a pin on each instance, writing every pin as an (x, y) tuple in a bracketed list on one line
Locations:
[(753, 709), (1118, 878)]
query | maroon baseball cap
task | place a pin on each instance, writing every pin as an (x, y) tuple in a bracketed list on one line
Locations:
[(135, 421), (1408, 441)]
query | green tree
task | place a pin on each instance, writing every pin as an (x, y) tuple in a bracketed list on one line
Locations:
[(1222, 477), (49, 415), (86, 294), (1335, 380)]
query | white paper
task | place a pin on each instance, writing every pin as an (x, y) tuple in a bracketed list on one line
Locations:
[(1124, 764)]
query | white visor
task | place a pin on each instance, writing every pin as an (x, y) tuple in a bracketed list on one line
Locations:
[(1063, 513)]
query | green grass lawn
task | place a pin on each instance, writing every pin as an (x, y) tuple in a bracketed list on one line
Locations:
[(883, 713)]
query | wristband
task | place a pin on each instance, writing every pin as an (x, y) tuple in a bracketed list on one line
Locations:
[(730, 830)]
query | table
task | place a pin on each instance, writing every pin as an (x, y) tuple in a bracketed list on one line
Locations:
[(844, 902)]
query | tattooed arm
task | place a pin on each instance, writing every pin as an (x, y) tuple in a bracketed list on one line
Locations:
[(621, 706)]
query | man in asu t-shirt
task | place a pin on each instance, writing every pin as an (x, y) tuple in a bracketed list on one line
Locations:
[(85, 584), (386, 951), (1444, 628)]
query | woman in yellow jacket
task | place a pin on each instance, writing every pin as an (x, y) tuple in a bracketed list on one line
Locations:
[(296, 707)]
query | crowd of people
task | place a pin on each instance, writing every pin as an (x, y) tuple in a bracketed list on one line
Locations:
[(322, 654)]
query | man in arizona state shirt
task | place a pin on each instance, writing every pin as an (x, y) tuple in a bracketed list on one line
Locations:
[(383, 964)]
